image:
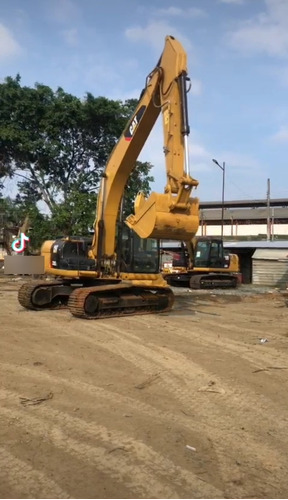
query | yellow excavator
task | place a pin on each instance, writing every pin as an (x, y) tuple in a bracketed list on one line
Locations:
[(117, 273), (203, 263)]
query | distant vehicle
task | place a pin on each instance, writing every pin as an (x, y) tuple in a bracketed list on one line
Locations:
[(204, 265)]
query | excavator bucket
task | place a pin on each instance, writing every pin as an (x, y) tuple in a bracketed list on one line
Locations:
[(158, 217)]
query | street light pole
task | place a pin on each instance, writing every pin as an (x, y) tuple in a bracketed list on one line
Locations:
[(223, 191), (268, 212)]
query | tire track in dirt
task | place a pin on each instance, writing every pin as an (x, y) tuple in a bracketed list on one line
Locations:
[(174, 367), (237, 402), (259, 360), (117, 468), (149, 361), (148, 356), (177, 391), (141, 412), (108, 396), (260, 463), (208, 336), (19, 480), (143, 468)]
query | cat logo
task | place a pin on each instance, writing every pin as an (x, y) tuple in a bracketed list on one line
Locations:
[(130, 130), (133, 126)]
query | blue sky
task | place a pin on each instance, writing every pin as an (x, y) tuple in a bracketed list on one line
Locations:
[(237, 59)]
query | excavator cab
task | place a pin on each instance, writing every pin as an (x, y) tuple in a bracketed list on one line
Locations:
[(138, 255), (209, 254), (206, 265)]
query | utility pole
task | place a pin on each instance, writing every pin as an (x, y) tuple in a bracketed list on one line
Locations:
[(268, 212), (223, 191), (202, 222)]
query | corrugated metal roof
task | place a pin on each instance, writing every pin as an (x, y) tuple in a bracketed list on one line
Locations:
[(271, 254)]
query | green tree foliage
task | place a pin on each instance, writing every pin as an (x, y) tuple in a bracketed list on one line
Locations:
[(76, 214), (138, 181), (56, 146), (54, 142)]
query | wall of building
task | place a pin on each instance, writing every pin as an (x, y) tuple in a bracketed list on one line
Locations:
[(270, 267), (242, 230)]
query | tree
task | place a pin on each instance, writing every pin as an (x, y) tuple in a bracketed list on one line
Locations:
[(75, 215), (54, 142), (57, 146), (138, 181)]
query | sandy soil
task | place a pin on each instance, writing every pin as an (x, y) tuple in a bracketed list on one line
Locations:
[(119, 400)]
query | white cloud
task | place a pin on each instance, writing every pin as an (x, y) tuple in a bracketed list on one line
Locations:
[(154, 34), (281, 136), (191, 12), (9, 46), (71, 37), (266, 33)]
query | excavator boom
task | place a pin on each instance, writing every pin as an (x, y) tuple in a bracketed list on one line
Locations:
[(174, 214)]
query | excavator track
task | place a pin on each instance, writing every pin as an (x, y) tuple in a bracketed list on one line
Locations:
[(212, 280), (27, 292), (110, 301)]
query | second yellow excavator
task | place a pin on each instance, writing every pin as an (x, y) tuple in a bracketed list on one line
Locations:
[(118, 272), (201, 264)]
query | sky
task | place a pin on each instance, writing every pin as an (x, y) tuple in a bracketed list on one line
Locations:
[(237, 61)]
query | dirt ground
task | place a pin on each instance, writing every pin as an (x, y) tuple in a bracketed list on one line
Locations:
[(188, 404)]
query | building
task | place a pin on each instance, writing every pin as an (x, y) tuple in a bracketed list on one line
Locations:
[(245, 219), (262, 263)]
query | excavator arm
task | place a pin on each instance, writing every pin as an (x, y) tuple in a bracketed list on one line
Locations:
[(174, 214)]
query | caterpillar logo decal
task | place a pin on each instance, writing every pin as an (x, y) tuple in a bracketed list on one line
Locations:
[(129, 132)]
